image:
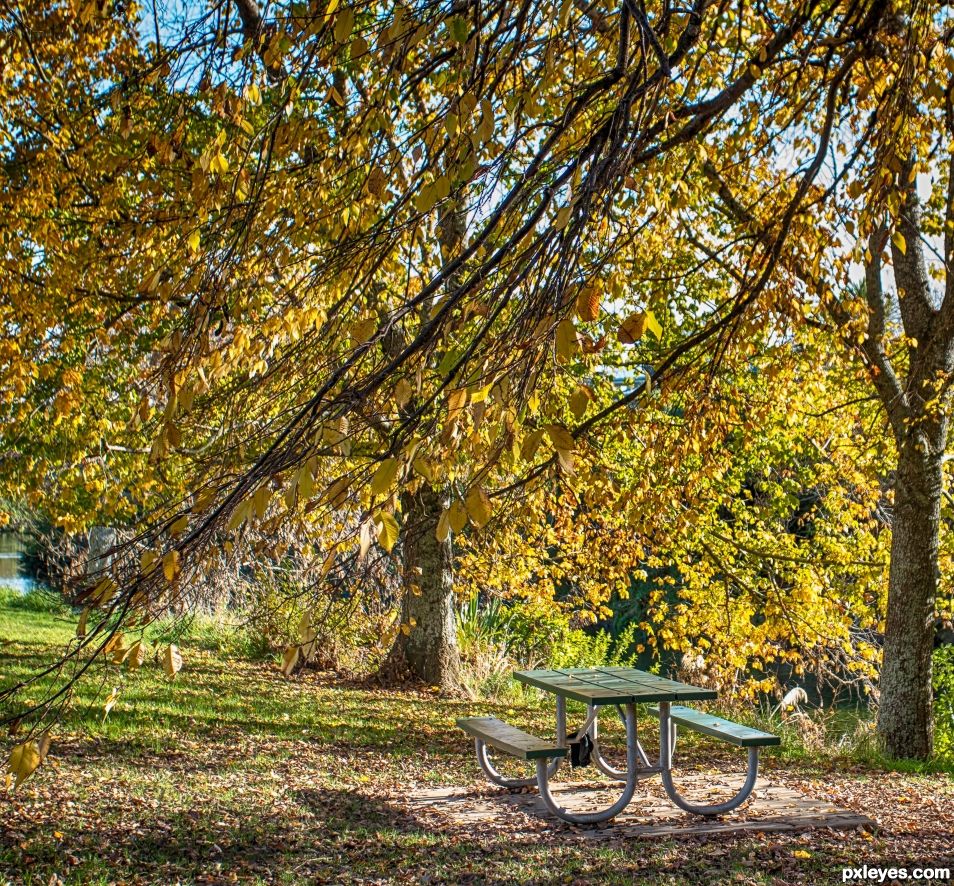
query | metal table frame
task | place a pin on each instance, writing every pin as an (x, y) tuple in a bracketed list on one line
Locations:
[(621, 688)]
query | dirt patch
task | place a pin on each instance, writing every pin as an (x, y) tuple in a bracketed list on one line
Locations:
[(772, 807)]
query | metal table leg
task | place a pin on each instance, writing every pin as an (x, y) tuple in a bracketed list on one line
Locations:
[(629, 789), (603, 765)]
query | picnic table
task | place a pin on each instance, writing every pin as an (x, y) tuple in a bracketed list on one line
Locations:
[(620, 688)]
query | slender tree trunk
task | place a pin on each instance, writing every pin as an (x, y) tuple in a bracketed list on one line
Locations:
[(429, 647), (905, 720), (918, 410)]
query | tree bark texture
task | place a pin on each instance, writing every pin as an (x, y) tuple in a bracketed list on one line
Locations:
[(428, 651), (905, 721), (429, 648)]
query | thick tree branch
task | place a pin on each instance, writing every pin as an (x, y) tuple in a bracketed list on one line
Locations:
[(910, 269)]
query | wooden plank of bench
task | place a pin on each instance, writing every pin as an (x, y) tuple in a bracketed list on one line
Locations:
[(509, 739), (726, 730)]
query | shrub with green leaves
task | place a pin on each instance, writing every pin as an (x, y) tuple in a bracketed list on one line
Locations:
[(497, 637), (944, 702)]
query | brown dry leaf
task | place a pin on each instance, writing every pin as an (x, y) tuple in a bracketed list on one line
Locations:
[(172, 661)]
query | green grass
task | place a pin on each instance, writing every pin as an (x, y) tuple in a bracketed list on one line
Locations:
[(231, 773)]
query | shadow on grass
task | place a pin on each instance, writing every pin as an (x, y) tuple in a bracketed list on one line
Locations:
[(316, 835), (337, 835)]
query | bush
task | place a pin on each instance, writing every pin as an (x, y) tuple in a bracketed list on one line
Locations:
[(498, 637), (224, 633), (944, 702)]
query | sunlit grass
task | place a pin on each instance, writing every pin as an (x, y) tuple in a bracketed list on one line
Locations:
[(232, 769)]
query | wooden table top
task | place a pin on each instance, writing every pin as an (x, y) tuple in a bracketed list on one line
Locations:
[(613, 685)]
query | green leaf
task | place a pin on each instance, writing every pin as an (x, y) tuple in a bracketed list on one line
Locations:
[(458, 29), (344, 25)]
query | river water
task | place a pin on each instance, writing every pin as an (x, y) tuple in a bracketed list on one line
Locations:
[(13, 572)]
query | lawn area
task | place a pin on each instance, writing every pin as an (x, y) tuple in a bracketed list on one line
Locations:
[(232, 773)]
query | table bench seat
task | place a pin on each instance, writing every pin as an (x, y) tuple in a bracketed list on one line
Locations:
[(726, 730), (509, 739)]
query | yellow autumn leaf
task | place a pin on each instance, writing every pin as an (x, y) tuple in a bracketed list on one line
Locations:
[(365, 538), (479, 507), (579, 400), (443, 526), (194, 240), (566, 460), (531, 443), (336, 492), (403, 391), (426, 198), (238, 516), (148, 561), (562, 218), (329, 562), (116, 641), (136, 655), (111, 700), (652, 324), (451, 122), (897, 238), (170, 565), (289, 660), (560, 437), (105, 591), (24, 760), (456, 401), (383, 477), (457, 516), (362, 330), (388, 531), (422, 467), (344, 25), (567, 339), (588, 303), (631, 329)]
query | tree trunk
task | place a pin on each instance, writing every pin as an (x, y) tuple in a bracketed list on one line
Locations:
[(905, 721), (428, 649)]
